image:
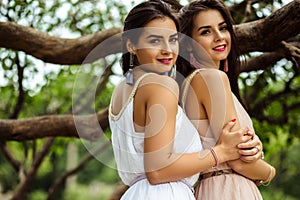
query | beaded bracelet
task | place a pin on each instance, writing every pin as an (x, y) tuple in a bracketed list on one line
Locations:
[(215, 156)]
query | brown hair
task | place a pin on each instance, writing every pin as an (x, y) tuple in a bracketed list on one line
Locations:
[(137, 18), (187, 16)]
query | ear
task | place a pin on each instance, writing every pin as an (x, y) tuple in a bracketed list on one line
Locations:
[(130, 47)]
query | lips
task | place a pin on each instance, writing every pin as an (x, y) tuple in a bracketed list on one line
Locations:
[(165, 61), (220, 48)]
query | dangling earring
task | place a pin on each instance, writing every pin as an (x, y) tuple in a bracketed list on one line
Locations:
[(129, 74), (173, 72), (226, 65)]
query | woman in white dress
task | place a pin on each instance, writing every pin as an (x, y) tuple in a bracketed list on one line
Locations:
[(157, 150)]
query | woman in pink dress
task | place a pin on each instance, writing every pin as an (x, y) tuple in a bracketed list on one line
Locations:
[(209, 61)]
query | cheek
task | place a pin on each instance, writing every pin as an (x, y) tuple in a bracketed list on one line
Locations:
[(145, 55), (204, 44), (175, 50)]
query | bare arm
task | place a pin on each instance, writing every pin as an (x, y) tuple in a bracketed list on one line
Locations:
[(161, 164), (213, 92)]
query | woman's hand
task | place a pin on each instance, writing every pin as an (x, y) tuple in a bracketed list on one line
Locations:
[(251, 150), (229, 140)]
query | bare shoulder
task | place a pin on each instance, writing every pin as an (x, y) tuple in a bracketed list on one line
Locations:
[(212, 73), (211, 76), (156, 82)]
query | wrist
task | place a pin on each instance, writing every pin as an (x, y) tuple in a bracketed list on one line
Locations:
[(219, 152), (267, 181), (215, 157)]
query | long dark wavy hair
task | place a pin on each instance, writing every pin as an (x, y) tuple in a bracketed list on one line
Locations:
[(187, 16), (137, 18)]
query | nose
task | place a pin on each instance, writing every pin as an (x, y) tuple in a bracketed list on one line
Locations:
[(218, 35), (166, 48)]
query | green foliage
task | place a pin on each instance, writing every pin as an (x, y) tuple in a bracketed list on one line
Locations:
[(38, 195), (286, 159), (272, 97), (93, 191)]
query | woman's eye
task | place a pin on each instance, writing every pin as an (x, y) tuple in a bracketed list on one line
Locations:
[(175, 39), (154, 41), (224, 28), (205, 32)]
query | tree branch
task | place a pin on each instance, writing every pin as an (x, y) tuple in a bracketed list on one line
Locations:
[(13, 161), (21, 95), (86, 127), (21, 192), (289, 50), (266, 34), (53, 49)]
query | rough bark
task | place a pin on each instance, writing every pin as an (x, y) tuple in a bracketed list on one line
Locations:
[(265, 35), (53, 49), (86, 127), (290, 50)]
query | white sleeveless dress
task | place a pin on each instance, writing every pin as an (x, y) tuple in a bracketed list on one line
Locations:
[(230, 186), (128, 147)]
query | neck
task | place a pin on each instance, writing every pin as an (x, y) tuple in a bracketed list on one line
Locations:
[(140, 71)]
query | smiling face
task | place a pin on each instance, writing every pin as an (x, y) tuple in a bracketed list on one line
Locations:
[(157, 45), (210, 31)]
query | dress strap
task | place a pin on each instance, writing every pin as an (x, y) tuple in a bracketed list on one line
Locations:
[(186, 85), (135, 87)]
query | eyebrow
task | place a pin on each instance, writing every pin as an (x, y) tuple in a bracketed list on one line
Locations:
[(155, 36), (158, 36), (203, 27)]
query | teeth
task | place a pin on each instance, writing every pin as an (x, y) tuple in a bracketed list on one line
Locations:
[(220, 47)]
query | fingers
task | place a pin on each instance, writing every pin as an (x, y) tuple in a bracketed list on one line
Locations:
[(252, 158), (251, 150), (255, 142), (251, 143), (245, 137), (250, 155), (251, 133), (227, 128)]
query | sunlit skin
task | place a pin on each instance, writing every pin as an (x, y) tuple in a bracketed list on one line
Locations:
[(157, 46), (210, 31)]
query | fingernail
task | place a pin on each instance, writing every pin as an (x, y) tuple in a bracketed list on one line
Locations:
[(233, 120)]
